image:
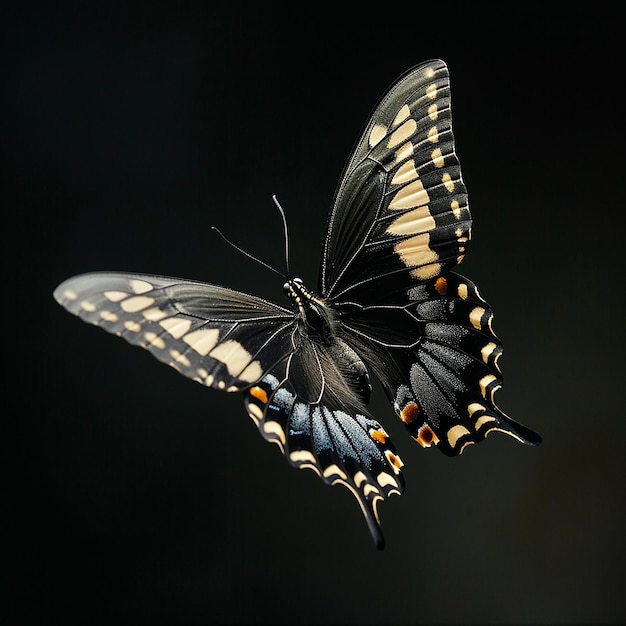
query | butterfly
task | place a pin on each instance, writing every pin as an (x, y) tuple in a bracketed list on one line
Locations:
[(387, 306)]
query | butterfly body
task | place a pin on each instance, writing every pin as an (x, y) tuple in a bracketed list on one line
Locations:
[(388, 306)]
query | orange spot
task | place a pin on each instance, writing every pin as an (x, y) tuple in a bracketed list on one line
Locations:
[(409, 413), (394, 459), (259, 394), (379, 435), (426, 436), (441, 285)]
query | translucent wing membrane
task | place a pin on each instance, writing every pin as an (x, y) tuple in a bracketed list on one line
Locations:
[(400, 213), (216, 336)]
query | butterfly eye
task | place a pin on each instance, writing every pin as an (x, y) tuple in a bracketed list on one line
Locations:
[(298, 280), (286, 289)]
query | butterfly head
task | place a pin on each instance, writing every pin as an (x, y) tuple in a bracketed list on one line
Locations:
[(314, 312)]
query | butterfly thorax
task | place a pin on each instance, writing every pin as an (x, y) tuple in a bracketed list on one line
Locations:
[(317, 317)]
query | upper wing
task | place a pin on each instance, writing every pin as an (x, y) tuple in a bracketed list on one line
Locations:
[(219, 337), (400, 214)]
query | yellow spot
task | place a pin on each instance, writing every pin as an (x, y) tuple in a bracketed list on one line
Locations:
[(431, 91), (274, 428), (301, 456), (333, 470), (208, 381), (484, 419), (108, 316), (370, 489), (175, 326), (233, 355), (87, 306), (404, 152), (203, 340), (456, 210), (416, 251), (252, 373), (385, 480), (132, 326), (405, 174), (259, 393), (255, 413), (154, 340), (140, 286), (202, 372), (437, 157), (136, 303), (448, 183), (432, 112), (154, 314), (455, 433), (70, 295), (462, 291), (410, 196), (180, 358), (377, 134), (359, 479), (417, 221), (402, 133), (475, 317), (115, 296), (485, 382), (487, 351), (474, 407), (379, 435), (427, 271), (433, 135), (403, 113)]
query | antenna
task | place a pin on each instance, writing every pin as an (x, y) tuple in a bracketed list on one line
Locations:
[(250, 256), (286, 233)]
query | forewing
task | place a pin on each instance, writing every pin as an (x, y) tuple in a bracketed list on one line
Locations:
[(219, 337), (442, 382), (400, 214), (326, 430)]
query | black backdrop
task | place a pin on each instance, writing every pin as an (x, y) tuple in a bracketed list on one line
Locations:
[(133, 495)]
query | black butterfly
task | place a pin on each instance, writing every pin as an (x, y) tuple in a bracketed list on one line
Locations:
[(387, 303)]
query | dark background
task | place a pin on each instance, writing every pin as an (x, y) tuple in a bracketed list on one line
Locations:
[(133, 495)]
